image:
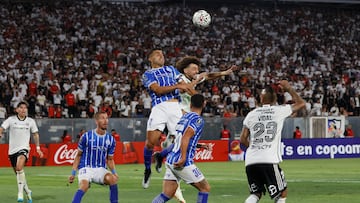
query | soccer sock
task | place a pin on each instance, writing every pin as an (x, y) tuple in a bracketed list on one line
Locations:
[(147, 157), (20, 177), (252, 199), (26, 188), (78, 196), (281, 200), (202, 197), (160, 198), (113, 193), (166, 151), (179, 195)]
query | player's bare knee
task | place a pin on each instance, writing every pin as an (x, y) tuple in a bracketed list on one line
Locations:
[(84, 187)]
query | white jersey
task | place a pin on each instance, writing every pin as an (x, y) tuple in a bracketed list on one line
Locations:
[(19, 132), (265, 124), (186, 97)]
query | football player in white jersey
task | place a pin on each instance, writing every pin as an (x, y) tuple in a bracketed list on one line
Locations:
[(261, 134), (20, 128)]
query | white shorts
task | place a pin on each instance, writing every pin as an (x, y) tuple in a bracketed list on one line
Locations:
[(95, 175), (165, 114), (189, 174)]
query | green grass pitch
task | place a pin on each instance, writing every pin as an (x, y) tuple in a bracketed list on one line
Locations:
[(313, 181)]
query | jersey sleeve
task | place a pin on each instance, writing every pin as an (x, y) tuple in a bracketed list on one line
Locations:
[(286, 110), (196, 123), (177, 75), (148, 79), (112, 146), (33, 126), (82, 141), (6, 124)]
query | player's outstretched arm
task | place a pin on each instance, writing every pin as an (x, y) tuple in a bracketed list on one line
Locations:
[(160, 90), (214, 75)]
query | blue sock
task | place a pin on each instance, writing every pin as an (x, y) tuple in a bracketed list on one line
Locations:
[(202, 197), (113, 193), (160, 198), (166, 151), (78, 196), (147, 157)]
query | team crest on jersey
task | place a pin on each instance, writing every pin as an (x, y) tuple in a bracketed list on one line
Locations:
[(107, 142), (144, 77), (199, 122)]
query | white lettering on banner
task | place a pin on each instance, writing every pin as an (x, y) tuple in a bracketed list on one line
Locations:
[(65, 155), (203, 154), (332, 150)]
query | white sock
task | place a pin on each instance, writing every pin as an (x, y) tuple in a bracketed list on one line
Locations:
[(20, 177), (252, 199), (281, 200), (178, 194)]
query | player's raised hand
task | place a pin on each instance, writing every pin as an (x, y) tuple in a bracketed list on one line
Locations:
[(285, 85)]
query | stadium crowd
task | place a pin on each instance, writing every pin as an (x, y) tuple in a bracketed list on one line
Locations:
[(74, 58)]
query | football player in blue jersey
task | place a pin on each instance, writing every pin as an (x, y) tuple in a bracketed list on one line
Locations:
[(164, 85), (96, 150), (180, 161)]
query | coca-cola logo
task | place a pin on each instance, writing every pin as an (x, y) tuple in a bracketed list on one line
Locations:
[(204, 154), (65, 155)]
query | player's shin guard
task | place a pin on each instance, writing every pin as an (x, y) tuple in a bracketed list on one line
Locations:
[(281, 200), (78, 196), (202, 197), (161, 198), (113, 193), (147, 157), (178, 195), (21, 180), (252, 199)]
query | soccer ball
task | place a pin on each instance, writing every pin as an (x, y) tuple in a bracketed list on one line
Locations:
[(201, 18)]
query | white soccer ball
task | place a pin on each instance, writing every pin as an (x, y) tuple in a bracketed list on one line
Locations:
[(201, 18)]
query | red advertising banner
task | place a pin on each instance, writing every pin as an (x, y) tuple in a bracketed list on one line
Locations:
[(126, 153)]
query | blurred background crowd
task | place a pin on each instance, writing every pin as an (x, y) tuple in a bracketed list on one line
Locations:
[(75, 58)]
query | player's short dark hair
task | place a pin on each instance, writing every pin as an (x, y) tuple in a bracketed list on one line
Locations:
[(197, 100), (21, 103), (185, 62), (152, 51), (269, 94)]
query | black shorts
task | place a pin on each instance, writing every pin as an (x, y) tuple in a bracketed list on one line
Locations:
[(13, 157), (269, 175)]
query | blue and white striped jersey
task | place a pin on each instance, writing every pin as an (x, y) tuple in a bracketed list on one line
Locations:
[(164, 76), (95, 148), (195, 122)]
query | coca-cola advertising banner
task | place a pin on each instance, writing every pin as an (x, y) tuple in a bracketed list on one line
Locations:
[(126, 153)]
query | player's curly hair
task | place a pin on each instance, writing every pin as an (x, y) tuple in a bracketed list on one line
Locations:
[(185, 62)]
